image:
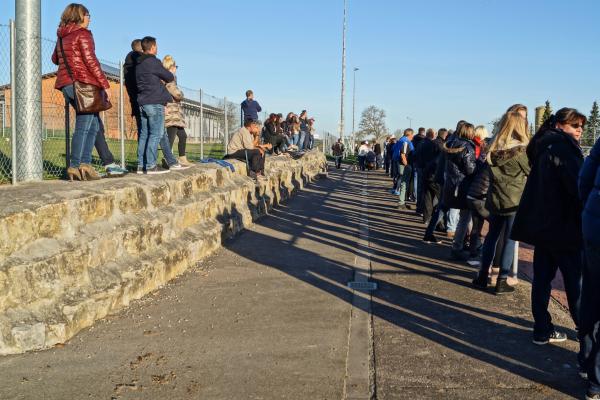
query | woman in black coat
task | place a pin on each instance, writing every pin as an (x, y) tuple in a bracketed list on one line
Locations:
[(549, 217)]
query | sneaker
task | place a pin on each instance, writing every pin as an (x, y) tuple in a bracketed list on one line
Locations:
[(178, 167), (396, 193), (164, 164), (474, 262), (115, 170), (480, 282), (140, 171), (554, 337), (402, 207), (431, 239), (593, 392), (156, 170), (503, 287)]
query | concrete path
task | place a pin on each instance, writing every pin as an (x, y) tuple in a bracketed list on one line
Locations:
[(270, 317)]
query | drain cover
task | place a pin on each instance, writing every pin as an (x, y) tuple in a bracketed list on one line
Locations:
[(362, 285)]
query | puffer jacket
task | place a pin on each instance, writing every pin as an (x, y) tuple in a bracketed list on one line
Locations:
[(550, 209), (173, 110), (79, 47), (459, 168), (509, 169), (589, 191)]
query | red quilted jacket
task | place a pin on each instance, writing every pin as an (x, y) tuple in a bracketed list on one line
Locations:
[(78, 44)]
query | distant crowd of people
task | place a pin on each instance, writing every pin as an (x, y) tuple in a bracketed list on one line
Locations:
[(277, 136), (537, 190), (156, 106)]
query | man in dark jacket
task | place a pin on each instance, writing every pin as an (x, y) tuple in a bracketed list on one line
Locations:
[(549, 218), (416, 181), (338, 153), (391, 141), (589, 325), (250, 107), (152, 98)]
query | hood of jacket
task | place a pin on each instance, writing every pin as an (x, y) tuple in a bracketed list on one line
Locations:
[(63, 31), (500, 157), (456, 145)]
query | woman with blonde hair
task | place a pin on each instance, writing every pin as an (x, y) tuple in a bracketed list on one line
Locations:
[(174, 120), (509, 168)]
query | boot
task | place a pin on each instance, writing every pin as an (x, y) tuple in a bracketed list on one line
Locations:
[(74, 173), (480, 282), (503, 287), (88, 173), (184, 161)]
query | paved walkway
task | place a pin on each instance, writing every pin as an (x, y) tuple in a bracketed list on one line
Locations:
[(270, 317)]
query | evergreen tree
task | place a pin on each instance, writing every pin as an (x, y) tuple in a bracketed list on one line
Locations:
[(547, 112), (592, 128)]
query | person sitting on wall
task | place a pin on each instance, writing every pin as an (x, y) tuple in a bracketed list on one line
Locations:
[(244, 146)]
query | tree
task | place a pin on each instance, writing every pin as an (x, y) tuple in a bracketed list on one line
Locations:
[(372, 124), (592, 127), (547, 112)]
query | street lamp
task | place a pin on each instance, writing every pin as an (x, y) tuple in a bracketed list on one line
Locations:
[(409, 122), (353, 103), (343, 75)]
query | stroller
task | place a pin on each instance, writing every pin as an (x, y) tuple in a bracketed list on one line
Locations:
[(371, 160)]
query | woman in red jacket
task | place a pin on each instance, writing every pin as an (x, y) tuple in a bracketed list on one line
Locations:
[(79, 51)]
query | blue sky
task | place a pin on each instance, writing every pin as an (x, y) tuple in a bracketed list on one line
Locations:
[(435, 61)]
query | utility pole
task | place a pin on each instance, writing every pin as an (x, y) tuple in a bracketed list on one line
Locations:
[(343, 75), (409, 122), (353, 104)]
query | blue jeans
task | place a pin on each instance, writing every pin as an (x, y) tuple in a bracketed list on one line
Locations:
[(84, 136), (545, 263), (589, 317), (498, 224), (151, 133), (452, 218), (404, 172), (301, 137)]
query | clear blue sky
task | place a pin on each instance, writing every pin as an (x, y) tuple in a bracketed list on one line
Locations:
[(436, 61)]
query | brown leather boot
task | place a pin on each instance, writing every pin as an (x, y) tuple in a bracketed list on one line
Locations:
[(88, 173)]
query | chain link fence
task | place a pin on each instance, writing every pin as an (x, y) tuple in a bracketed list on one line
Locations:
[(210, 120), (6, 133)]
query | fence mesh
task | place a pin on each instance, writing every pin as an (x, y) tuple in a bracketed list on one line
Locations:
[(6, 133)]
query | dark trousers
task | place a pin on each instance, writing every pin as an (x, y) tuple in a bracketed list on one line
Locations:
[(437, 217), (478, 216), (431, 192), (277, 141), (387, 163), (256, 161), (545, 263), (589, 319), (101, 146), (175, 131), (420, 190)]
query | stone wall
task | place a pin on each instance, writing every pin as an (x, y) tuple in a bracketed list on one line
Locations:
[(71, 253)]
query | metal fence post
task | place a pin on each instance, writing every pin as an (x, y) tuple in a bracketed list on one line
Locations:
[(67, 135), (28, 96), (13, 104), (122, 113), (201, 125), (225, 126), (3, 118)]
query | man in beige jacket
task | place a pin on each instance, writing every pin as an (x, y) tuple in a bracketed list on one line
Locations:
[(244, 146)]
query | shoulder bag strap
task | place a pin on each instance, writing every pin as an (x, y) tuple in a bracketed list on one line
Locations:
[(62, 51)]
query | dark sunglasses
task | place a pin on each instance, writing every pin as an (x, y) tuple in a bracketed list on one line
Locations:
[(576, 126)]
